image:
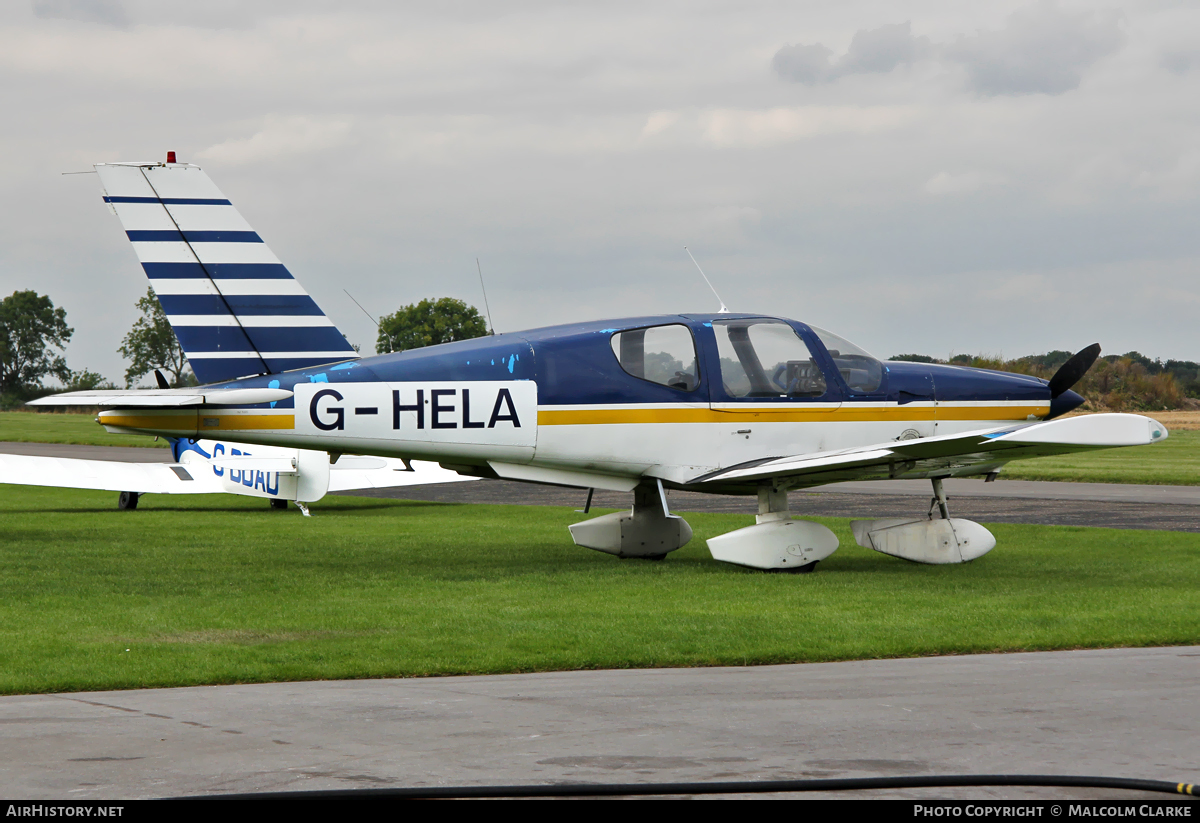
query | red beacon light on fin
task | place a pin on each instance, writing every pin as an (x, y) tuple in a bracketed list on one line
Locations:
[(170, 157)]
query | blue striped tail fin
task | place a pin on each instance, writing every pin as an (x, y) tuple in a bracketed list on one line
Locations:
[(236, 310)]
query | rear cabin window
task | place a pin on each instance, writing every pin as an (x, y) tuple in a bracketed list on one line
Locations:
[(766, 358), (661, 354)]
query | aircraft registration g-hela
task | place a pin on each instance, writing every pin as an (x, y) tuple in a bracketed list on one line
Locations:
[(729, 403)]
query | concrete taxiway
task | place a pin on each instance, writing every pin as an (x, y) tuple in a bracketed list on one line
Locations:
[(1112, 712)]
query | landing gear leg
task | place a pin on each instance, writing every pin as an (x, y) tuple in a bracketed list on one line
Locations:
[(128, 501), (939, 499), (303, 509)]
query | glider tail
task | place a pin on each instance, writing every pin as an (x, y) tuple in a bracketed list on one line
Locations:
[(236, 310)]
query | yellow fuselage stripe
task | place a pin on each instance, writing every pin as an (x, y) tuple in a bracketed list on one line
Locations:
[(844, 414), (611, 415), (198, 422)]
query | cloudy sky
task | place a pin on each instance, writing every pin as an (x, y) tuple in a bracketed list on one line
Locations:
[(933, 177)]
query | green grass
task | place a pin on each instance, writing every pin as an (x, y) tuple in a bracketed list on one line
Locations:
[(80, 429), (224, 590), (1173, 462)]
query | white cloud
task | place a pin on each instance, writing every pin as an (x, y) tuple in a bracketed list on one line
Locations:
[(659, 122), (969, 181), (280, 139), (727, 128)]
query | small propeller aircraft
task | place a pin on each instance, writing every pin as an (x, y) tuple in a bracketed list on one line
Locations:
[(728, 403)]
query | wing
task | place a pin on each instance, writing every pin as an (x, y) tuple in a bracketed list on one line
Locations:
[(196, 476), (955, 454), (107, 475)]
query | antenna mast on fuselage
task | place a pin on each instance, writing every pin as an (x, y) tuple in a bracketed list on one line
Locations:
[(723, 309), (486, 307)]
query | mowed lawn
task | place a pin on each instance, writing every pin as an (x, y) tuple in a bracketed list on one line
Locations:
[(1173, 462), (80, 429), (225, 590)]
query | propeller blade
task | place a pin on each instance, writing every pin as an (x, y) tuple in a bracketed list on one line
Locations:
[(1073, 370)]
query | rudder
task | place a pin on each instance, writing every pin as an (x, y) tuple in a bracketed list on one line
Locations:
[(235, 309)]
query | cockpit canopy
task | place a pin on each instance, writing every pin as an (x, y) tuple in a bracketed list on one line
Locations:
[(757, 357), (762, 357)]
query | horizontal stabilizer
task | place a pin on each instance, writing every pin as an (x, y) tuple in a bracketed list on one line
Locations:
[(164, 398)]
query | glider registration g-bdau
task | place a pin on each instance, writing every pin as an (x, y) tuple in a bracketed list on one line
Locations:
[(727, 403)]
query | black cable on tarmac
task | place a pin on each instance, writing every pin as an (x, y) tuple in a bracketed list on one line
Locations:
[(732, 787)]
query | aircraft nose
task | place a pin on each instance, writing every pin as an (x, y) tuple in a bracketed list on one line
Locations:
[(1065, 402)]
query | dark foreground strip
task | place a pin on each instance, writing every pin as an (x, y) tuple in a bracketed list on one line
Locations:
[(738, 787)]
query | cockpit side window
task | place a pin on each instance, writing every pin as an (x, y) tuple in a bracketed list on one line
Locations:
[(661, 354), (766, 358), (862, 372)]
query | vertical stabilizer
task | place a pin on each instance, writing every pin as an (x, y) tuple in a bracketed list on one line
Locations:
[(236, 310)]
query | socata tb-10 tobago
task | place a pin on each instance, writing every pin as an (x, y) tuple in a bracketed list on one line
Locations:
[(727, 403)]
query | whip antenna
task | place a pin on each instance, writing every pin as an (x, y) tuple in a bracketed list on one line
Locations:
[(391, 342), (491, 328), (360, 305), (723, 309)]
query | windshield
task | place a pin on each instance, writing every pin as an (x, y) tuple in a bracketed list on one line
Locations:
[(861, 371), (765, 358)]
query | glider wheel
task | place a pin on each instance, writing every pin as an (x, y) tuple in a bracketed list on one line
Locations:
[(278, 504), (128, 501)]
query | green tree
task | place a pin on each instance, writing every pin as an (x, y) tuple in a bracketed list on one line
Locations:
[(151, 344), (428, 323), (31, 328), (912, 358), (87, 380)]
